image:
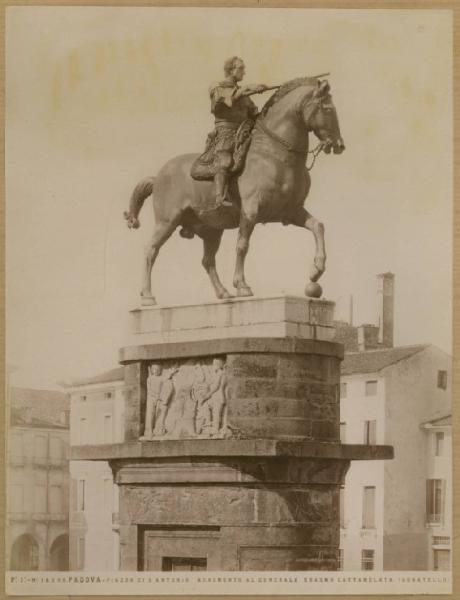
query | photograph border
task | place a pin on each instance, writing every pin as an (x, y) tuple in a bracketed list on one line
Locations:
[(323, 4)]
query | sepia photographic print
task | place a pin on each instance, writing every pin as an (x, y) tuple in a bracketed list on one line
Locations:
[(229, 295)]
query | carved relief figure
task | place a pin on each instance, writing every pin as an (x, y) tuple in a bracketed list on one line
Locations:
[(154, 385), (190, 404), (200, 391), (218, 400), (163, 402)]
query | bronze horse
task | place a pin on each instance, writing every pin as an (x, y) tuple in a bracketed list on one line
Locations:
[(272, 187)]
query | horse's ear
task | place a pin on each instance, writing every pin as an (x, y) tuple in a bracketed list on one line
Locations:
[(323, 87)]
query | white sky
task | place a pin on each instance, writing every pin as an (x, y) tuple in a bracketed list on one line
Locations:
[(98, 98)]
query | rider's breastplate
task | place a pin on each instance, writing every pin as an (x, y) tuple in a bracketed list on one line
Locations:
[(240, 110)]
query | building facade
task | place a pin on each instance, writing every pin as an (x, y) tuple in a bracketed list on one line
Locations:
[(393, 510), (396, 515), (37, 531), (97, 413)]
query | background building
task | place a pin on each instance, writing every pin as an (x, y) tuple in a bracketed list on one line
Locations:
[(37, 532), (396, 515), (97, 411)]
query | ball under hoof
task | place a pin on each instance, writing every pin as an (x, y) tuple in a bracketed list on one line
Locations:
[(148, 301), (313, 290)]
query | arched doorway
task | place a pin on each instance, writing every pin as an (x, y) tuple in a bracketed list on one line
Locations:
[(59, 554), (24, 554)]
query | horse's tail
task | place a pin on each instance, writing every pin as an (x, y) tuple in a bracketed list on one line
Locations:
[(142, 191)]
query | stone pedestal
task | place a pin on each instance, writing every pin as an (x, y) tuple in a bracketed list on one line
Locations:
[(239, 466)]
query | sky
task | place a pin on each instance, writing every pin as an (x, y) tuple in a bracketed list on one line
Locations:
[(98, 98)]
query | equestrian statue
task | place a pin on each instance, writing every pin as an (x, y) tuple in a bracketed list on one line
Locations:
[(253, 170)]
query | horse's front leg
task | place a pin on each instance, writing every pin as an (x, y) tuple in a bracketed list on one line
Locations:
[(304, 219), (242, 246), (211, 242)]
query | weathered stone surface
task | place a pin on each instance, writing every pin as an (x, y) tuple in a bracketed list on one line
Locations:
[(239, 470), (285, 316), (216, 347), (292, 558), (232, 505), (231, 447)]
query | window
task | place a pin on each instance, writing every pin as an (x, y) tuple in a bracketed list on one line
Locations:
[(370, 432), (16, 498), (439, 443), (40, 446), (83, 434), (180, 563), (367, 560), (55, 448), (343, 390), (16, 445), (342, 507), (441, 540), (343, 430), (108, 395), (108, 437), (371, 388), (83, 398), (108, 494), (434, 500), (65, 417), (442, 380), (81, 553), (369, 507), (441, 560), (56, 499), (40, 498), (340, 563), (81, 495)]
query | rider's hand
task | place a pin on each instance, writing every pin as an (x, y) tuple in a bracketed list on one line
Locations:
[(261, 88)]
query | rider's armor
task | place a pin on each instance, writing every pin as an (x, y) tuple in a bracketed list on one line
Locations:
[(229, 113)]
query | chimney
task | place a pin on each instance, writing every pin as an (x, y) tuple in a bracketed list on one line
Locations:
[(368, 336), (385, 299)]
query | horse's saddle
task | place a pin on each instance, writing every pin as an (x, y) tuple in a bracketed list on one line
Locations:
[(204, 168)]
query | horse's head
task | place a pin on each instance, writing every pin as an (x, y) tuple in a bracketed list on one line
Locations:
[(320, 116)]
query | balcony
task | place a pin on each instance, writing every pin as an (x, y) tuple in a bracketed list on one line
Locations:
[(434, 519), (36, 516), (18, 516), (55, 517), (17, 461), (45, 462)]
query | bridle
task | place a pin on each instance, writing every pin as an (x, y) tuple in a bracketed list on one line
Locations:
[(316, 103)]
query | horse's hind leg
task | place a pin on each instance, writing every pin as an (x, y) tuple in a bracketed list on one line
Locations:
[(211, 242), (308, 221), (163, 231)]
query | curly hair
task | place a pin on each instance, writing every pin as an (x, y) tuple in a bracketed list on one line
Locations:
[(229, 64)]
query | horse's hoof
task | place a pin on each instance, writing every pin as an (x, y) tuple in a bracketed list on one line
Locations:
[(313, 290), (244, 291), (224, 295), (148, 301)]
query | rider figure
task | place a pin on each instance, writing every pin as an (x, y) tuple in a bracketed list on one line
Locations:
[(231, 105)]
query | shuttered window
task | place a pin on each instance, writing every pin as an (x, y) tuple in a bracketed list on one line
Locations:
[(369, 507)]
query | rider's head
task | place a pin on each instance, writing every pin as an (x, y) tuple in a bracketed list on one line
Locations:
[(234, 67)]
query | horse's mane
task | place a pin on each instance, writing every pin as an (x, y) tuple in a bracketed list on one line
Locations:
[(285, 89)]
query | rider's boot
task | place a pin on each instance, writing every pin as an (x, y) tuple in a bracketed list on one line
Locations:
[(221, 189)]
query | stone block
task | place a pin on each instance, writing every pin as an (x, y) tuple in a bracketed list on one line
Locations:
[(286, 316)]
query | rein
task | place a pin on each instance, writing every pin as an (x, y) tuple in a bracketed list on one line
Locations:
[(316, 151)]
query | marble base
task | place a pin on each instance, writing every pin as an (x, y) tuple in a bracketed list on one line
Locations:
[(280, 316)]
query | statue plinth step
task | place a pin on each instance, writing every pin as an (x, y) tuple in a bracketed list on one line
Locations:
[(279, 316)]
